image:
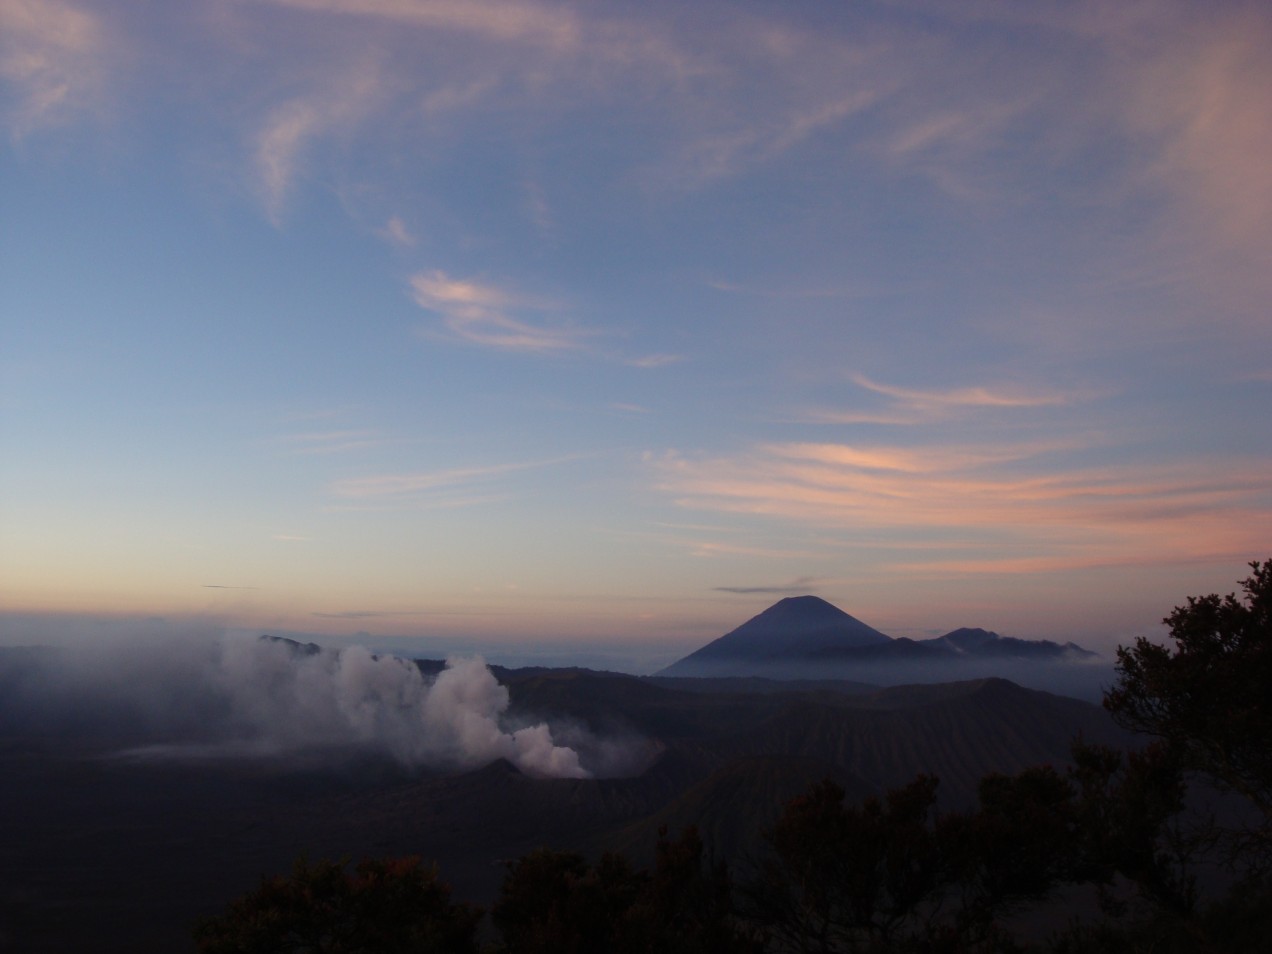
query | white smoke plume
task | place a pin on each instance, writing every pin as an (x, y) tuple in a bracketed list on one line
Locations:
[(197, 694), (297, 700)]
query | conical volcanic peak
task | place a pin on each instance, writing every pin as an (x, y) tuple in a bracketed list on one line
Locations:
[(798, 623), (789, 628)]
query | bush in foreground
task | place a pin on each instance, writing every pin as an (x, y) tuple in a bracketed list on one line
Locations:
[(386, 906)]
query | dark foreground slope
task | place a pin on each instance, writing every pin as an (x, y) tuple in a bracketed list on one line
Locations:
[(103, 853)]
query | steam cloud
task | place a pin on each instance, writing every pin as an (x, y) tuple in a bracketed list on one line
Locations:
[(204, 696), (301, 700)]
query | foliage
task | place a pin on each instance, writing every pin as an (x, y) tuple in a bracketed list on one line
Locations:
[(555, 902), (844, 877), (1208, 700), (687, 907), (1022, 840), (1208, 697), (1128, 808), (1238, 923), (381, 907), (893, 874)]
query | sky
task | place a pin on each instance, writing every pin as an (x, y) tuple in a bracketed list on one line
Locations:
[(599, 327)]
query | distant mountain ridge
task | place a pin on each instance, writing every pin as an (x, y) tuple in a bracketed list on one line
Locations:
[(985, 643), (807, 637)]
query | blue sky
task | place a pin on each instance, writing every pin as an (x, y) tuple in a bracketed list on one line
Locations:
[(609, 324)]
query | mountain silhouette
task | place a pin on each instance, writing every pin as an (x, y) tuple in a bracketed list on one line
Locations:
[(794, 627), (982, 643), (805, 637), (967, 639)]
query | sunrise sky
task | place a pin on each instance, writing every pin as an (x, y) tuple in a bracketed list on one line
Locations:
[(609, 324)]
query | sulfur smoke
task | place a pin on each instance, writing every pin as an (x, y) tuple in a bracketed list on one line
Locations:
[(296, 700), (206, 696)]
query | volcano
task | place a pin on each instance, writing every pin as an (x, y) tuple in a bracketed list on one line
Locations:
[(795, 627), (805, 637)]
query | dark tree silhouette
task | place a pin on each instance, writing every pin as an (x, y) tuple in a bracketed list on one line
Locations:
[(388, 906), (687, 905), (555, 903), (1015, 849), (1209, 698), (892, 874), (1125, 807), (845, 878)]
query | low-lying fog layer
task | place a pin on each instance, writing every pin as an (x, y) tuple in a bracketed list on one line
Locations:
[(239, 695)]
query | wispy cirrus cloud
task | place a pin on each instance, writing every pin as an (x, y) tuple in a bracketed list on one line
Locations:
[(1196, 103), (765, 137), (402, 485), (1182, 95), (795, 292), (366, 614), (655, 360), (906, 406), (396, 232), (824, 415), (451, 487), (722, 541), (340, 101), (53, 55), (331, 442), (1181, 86), (555, 28), (554, 59), (1182, 90), (905, 460), (965, 397), (457, 97), (1199, 91), (1003, 497), (803, 584), (718, 548), (483, 314), (1185, 93)]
